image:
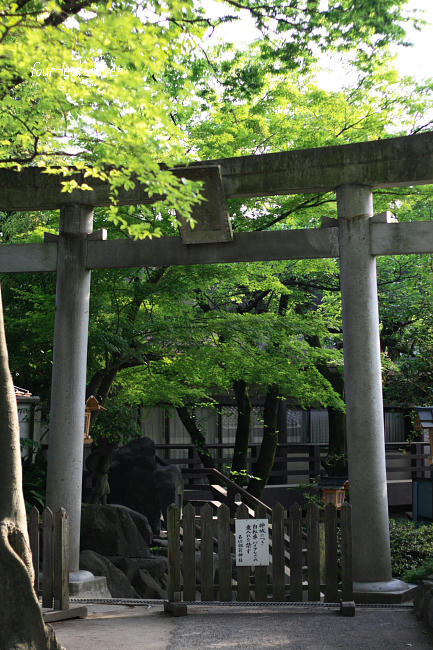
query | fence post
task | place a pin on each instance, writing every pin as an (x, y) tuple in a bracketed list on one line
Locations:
[(243, 592), (173, 520), (224, 554), (33, 526), (47, 559), (261, 572), (61, 560), (173, 606), (346, 552), (206, 553), (295, 552), (189, 572), (278, 567), (313, 551), (331, 586)]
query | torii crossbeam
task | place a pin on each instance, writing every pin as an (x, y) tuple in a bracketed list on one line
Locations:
[(352, 171)]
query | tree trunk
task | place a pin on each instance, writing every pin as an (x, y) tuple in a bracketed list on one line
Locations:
[(263, 466), (335, 462), (243, 403), (22, 626), (197, 437)]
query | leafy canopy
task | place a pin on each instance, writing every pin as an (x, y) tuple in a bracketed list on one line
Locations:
[(96, 85)]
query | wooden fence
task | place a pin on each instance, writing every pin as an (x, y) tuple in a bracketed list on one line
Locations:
[(296, 572), (297, 461), (49, 544), (55, 555)]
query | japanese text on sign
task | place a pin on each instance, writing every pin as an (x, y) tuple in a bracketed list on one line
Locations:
[(252, 542)]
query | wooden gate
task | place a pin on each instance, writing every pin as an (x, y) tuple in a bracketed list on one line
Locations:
[(310, 557)]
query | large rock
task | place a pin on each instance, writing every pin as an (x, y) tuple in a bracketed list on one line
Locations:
[(142, 580), (117, 582), (115, 543), (132, 481), (170, 487), (139, 481), (140, 521), (156, 566), (111, 531)]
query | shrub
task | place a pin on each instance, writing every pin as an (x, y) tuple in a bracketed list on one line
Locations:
[(420, 573), (411, 545)]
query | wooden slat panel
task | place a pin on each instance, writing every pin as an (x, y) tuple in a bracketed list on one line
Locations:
[(47, 559), (243, 592), (61, 560), (278, 576), (206, 553), (224, 554), (346, 552), (173, 522), (261, 572), (331, 587), (313, 552), (295, 552), (33, 526), (188, 559)]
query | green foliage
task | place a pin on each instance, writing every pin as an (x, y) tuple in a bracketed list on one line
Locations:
[(176, 336), (241, 477), (411, 546), (119, 423), (311, 492), (34, 468), (105, 88), (423, 571)]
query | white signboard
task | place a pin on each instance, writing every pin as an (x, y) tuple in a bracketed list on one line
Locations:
[(252, 542)]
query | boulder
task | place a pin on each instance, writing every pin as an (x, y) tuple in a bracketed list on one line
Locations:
[(147, 586), (144, 583), (111, 531), (169, 483), (132, 480), (156, 566), (140, 521), (118, 584)]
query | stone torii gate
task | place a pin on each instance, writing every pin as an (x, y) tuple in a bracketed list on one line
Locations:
[(352, 171)]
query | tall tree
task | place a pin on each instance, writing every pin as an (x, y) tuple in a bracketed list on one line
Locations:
[(22, 625)]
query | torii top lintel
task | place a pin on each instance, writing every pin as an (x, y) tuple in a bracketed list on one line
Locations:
[(392, 162)]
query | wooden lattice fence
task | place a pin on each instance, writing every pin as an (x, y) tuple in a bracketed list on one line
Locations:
[(49, 544), (310, 556)]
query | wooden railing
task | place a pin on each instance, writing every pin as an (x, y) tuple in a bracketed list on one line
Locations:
[(215, 536), (414, 459), (229, 491)]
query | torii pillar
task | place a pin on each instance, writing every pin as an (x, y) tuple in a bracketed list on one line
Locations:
[(363, 392), (68, 389)]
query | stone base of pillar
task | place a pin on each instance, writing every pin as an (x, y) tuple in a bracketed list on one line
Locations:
[(83, 584), (388, 592)]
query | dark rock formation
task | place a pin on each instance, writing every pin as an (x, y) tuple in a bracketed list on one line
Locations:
[(111, 531), (115, 543), (140, 481), (117, 582)]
